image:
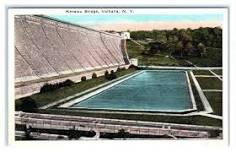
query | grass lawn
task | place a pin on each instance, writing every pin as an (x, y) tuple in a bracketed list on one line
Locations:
[(215, 99), (213, 58), (202, 72), (157, 60), (219, 72), (161, 60), (209, 83), (48, 97), (134, 50), (196, 120)]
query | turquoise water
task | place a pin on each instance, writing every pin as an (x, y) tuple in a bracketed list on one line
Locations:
[(148, 91)]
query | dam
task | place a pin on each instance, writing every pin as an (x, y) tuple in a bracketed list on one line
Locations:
[(51, 51)]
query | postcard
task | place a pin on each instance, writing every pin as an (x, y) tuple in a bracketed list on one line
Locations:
[(118, 73)]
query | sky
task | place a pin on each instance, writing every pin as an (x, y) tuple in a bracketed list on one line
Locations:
[(136, 22)]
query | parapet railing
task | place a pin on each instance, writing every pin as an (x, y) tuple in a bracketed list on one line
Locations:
[(107, 125)]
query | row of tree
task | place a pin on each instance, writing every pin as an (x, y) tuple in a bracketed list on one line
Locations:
[(181, 42)]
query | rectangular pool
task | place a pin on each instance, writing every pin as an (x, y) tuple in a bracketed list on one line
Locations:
[(145, 91)]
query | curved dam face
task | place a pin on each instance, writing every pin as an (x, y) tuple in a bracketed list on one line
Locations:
[(51, 51)]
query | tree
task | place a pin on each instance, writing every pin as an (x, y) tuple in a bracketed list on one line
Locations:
[(185, 38), (201, 49), (154, 47), (188, 47), (218, 37), (180, 42), (179, 48)]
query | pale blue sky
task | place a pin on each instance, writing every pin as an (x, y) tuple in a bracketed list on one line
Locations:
[(99, 20)]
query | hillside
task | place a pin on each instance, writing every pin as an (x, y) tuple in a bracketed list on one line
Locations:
[(202, 47)]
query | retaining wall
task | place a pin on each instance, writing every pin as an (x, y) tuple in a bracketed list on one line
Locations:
[(62, 123)]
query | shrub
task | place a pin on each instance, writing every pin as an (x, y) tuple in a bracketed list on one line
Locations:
[(94, 75), (215, 133), (28, 105), (112, 75), (46, 87), (120, 69), (67, 83), (133, 67), (106, 74), (51, 87), (122, 133), (83, 78)]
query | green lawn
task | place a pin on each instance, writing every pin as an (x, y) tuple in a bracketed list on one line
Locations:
[(213, 58), (202, 72), (219, 72), (196, 120), (215, 99), (48, 97), (209, 83), (135, 51), (157, 60)]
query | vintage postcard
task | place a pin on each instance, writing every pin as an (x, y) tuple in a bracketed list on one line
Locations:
[(118, 73)]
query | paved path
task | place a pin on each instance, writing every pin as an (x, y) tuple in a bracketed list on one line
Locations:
[(215, 75), (205, 102), (212, 116), (181, 68), (211, 90), (205, 76)]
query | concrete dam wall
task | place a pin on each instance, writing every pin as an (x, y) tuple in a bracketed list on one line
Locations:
[(51, 51)]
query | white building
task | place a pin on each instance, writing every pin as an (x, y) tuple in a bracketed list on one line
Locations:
[(125, 35)]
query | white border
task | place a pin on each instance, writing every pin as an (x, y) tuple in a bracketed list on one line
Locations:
[(62, 11), (11, 77), (149, 146)]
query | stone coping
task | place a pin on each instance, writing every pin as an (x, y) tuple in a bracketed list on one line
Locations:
[(181, 68), (205, 102)]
